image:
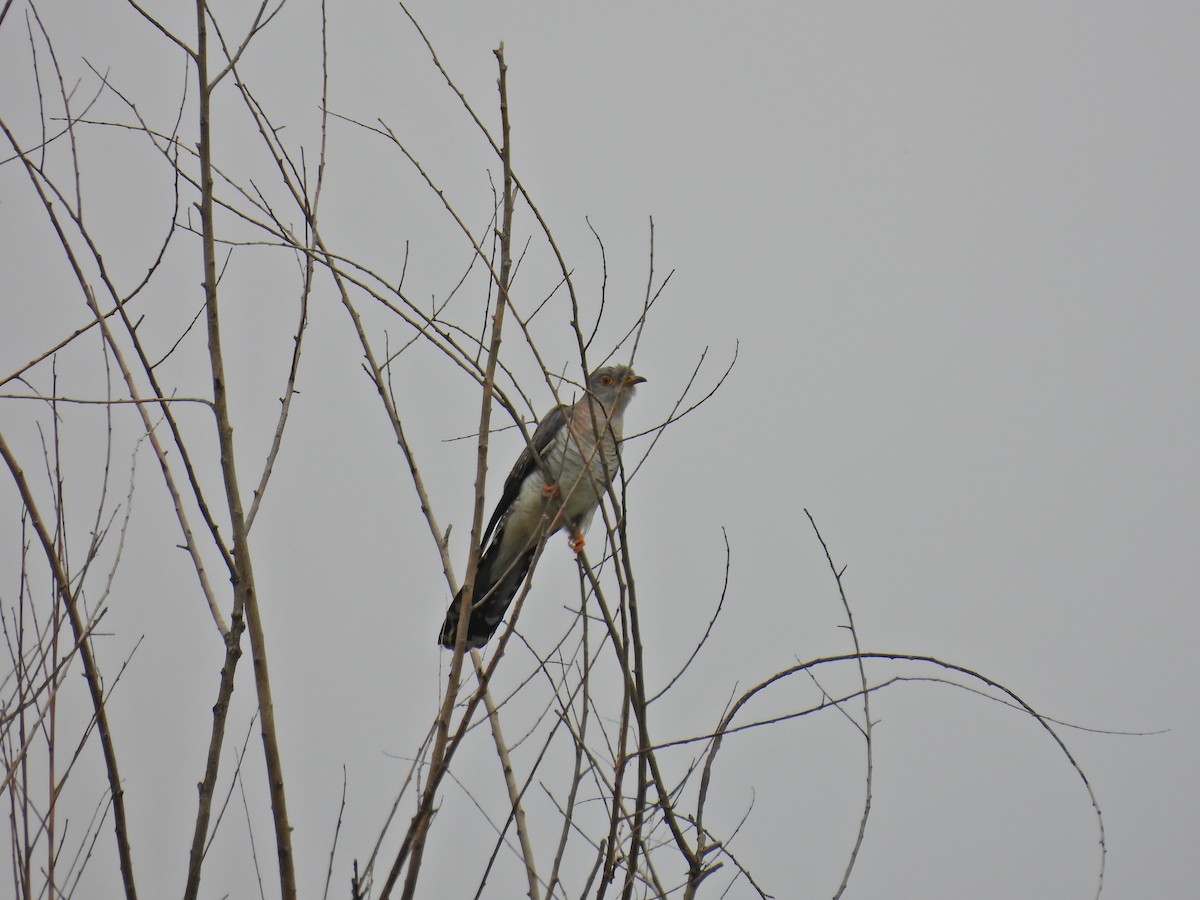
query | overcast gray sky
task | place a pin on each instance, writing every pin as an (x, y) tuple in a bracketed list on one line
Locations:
[(956, 247)]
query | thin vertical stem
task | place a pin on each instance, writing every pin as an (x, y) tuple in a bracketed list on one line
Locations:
[(245, 596), (91, 673), (414, 848)]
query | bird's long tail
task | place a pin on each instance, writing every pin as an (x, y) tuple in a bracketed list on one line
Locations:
[(496, 585)]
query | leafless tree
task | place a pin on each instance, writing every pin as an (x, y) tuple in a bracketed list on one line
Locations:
[(588, 794)]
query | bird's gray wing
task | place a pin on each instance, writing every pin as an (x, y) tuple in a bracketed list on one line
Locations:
[(500, 573), (526, 464)]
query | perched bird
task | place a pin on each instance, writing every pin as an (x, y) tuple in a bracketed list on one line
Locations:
[(557, 482)]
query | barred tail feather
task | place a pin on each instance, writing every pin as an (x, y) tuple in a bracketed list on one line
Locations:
[(494, 591)]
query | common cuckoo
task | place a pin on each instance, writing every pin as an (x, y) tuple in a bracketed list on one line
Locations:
[(557, 483)]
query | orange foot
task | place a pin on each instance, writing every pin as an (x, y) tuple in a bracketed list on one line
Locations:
[(549, 490), (576, 541)]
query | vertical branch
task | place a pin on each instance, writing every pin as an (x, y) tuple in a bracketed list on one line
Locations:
[(621, 763), (22, 863), (91, 673), (438, 758), (579, 738), (866, 727), (654, 773), (510, 782), (52, 719), (637, 699), (245, 597)]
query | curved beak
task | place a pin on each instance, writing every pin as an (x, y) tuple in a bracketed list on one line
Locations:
[(634, 379)]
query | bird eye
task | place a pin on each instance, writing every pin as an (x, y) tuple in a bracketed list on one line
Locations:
[(606, 380)]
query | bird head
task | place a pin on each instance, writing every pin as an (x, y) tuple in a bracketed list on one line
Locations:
[(614, 386)]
